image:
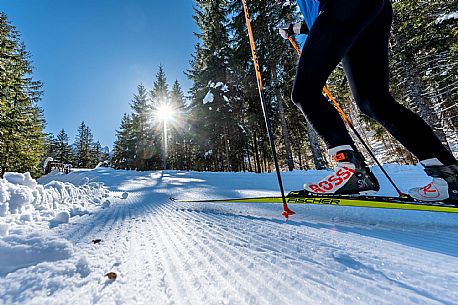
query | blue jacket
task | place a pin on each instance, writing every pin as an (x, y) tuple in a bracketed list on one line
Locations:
[(309, 9)]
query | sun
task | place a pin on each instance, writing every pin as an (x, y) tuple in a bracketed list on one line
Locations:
[(165, 113)]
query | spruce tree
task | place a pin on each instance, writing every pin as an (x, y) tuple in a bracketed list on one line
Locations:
[(62, 148), (142, 133), (159, 98), (124, 146), (179, 153), (160, 92), (84, 157), (97, 154), (21, 120), (215, 105), (425, 61)]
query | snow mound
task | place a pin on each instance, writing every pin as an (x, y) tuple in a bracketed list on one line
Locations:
[(23, 200), (62, 217), (21, 179)]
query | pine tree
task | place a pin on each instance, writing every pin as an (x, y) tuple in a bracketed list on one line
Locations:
[(140, 128), (124, 146), (416, 50), (160, 92), (97, 154), (50, 144), (62, 149), (139, 140), (179, 148), (159, 97), (84, 157), (21, 121), (216, 108)]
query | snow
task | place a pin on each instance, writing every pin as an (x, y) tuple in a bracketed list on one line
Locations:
[(29, 209), (208, 98), (208, 153), (453, 15), (62, 217), (21, 251), (22, 198), (20, 179), (45, 163), (166, 252), (223, 87)]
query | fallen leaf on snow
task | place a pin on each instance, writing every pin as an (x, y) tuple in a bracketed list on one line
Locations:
[(111, 275)]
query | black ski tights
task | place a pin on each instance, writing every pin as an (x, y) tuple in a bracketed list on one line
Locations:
[(356, 32)]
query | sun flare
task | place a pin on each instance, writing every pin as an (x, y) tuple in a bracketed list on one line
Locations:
[(165, 113)]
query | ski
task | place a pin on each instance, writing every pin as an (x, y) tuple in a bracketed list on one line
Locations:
[(382, 202)]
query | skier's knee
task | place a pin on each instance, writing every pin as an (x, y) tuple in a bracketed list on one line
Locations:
[(297, 96), (367, 109), (379, 107), (300, 94)]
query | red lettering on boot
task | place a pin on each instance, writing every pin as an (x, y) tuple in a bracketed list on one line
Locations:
[(336, 180), (326, 185), (315, 188), (429, 190)]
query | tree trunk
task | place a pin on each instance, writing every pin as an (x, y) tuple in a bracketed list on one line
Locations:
[(315, 147), (284, 128), (299, 155), (227, 151), (257, 161), (250, 168)]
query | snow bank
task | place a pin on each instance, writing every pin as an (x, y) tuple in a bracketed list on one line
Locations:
[(23, 200), (29, 211)]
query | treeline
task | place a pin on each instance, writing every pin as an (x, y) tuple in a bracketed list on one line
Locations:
[(224, 129), (159, 115), (221, 123), (83, 153), (22, 141)]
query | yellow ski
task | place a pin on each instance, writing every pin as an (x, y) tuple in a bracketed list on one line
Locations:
[(382, 202)]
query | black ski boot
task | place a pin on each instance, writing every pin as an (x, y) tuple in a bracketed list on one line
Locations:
[(444, 185), (351, 175)]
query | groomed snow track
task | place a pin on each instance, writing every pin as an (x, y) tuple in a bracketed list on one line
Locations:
[(166, 252)]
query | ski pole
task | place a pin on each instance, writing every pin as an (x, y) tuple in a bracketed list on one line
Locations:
[(286, 211), (352, 127)]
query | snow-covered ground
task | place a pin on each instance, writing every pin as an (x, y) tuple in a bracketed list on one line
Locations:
[(166, 252)]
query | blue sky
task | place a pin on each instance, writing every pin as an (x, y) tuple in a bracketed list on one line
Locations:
[(92, 54)]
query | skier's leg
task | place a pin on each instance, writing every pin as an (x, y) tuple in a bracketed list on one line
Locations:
[(366, 66), (332, 35)]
